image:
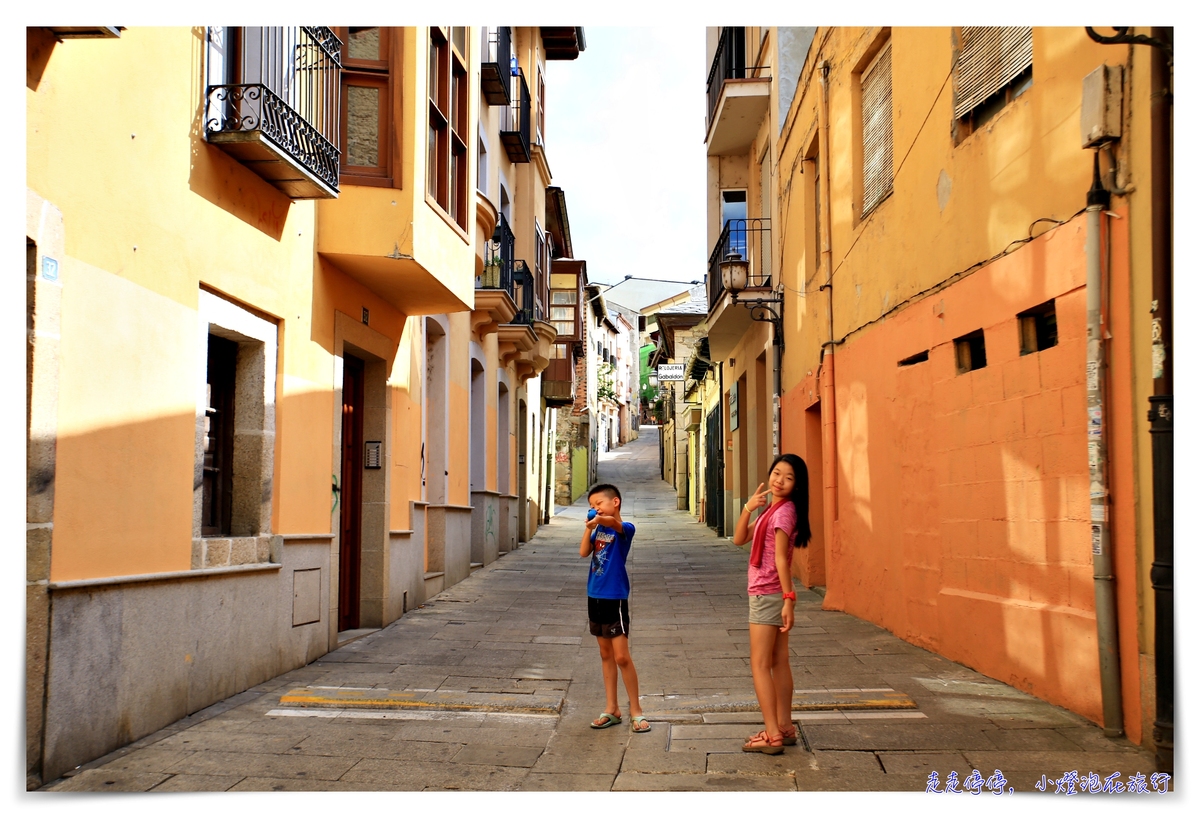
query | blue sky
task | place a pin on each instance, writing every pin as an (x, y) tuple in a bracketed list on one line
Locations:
[(625, 141)]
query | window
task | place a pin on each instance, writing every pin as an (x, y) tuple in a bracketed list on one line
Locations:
[(217, 480), (969, 352), (877, 130), (994, 66), (733, 209), (764, 211), (562, 308), (541, 108), (366, 129), (447, 148), (1038, 328), (235, 435), (481, 179)]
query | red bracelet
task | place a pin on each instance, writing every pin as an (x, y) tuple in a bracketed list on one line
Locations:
[(790, 595)]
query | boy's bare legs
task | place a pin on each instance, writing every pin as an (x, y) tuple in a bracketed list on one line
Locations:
[(763, 642), (781, 675), (608, 665), (614, 653), (624, 660)]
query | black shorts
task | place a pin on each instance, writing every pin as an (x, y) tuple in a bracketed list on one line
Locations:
[(608, 617)]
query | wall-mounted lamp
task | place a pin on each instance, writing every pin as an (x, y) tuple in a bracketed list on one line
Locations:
[(735, 274)]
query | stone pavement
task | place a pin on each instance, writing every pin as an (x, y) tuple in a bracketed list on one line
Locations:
[(492, 685)]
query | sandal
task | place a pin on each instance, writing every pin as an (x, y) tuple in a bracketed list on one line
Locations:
[(605, 720), (789, 736), (634, 723), (762, 743)]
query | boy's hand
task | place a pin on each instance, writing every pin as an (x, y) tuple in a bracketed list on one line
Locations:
[(592, 523)]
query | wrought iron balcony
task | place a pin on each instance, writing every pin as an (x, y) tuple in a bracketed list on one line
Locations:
[(751, 240), (514, 120), (728, 63), (498, 260), (273, 102), (523, 294), (496, 71)]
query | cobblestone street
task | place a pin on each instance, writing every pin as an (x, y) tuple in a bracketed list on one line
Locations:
[(492, 685)]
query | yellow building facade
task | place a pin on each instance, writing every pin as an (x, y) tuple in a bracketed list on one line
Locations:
[(912, 205), (256, 337)]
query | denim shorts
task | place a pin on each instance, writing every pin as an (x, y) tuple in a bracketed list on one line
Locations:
[(766, 609)]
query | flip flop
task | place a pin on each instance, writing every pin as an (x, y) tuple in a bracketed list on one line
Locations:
[(609, 721), (635, 721)]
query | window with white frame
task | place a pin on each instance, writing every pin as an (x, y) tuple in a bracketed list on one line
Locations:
[(235, 432)]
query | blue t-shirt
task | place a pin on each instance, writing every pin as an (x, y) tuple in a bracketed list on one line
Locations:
[(607, 578)]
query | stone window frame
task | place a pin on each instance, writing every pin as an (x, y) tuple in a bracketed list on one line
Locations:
[(250, 540)]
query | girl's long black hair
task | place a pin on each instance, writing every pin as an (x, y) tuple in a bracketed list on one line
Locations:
[(799, 496)]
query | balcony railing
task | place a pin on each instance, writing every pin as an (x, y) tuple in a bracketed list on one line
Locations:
[(728, 63), (498, 260), (278, 106), (751, 240), (496, 70), (514, 120), (522, 278)]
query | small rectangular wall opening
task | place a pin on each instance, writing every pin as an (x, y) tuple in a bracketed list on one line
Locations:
[(919, 358), (1038, 328), (969, 352)]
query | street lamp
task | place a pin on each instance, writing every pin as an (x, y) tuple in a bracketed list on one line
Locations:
[(735, 271), (735, 275)]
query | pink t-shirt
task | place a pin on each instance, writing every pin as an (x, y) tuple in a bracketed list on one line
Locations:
[(765, 578)]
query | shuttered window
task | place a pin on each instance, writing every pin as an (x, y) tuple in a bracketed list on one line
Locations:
[(989, 58), (877, 130)]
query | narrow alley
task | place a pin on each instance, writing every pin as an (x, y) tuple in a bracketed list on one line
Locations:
[(492, 684)]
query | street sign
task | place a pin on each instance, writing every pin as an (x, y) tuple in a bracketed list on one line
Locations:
[(671, 372)]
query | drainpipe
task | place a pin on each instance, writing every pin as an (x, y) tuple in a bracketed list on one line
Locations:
[(1162, 457), (1162, 569), (1102, 572), (829, 466)]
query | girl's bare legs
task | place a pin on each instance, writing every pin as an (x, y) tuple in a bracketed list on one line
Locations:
[(781, 674), (764, 640)]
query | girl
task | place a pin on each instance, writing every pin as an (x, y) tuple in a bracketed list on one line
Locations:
[(783, 524)]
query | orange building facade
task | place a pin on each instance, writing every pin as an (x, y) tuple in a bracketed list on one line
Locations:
[(926, 234)]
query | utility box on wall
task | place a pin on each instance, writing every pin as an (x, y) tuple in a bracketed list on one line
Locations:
[(1100, 109)]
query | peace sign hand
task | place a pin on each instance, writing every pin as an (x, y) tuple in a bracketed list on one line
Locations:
[(758, 499)]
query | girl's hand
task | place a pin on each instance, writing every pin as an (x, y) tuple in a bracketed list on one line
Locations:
[(758, 499), (789, 615)]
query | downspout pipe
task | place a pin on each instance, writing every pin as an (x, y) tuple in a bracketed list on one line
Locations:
[(829, 465), (1098, 199), (1162, 434)]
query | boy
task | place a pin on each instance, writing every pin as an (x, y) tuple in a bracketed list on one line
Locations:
[(606, 539)]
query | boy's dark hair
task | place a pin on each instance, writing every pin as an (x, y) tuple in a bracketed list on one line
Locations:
[(607, 488)]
